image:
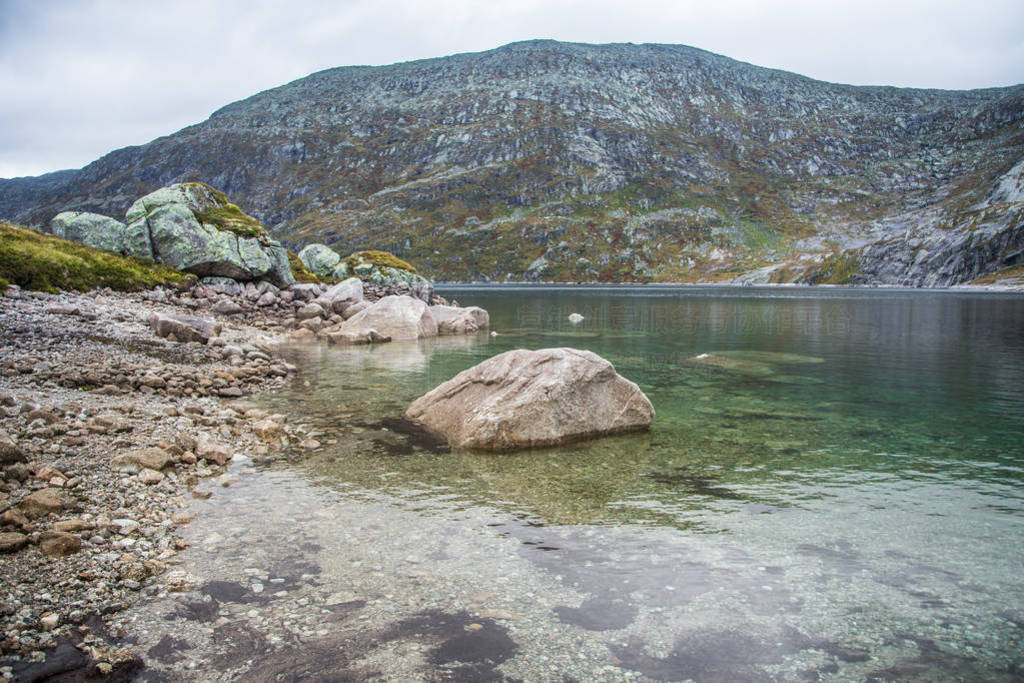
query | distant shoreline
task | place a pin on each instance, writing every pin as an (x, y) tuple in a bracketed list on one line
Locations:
[(665, 286)]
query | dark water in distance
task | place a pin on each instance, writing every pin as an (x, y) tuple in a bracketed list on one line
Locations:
[(830, 470)]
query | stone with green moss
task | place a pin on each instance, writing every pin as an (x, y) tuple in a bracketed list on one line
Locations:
[(319, 259), (92, 229), (378, 259), (298, 268), (192, 227)]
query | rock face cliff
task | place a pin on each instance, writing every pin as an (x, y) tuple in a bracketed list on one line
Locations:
[(548, 160)]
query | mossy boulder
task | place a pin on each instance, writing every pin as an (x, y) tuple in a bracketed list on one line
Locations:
[(385, 269), (193, 228), (319, 259), (92, 229), (299, 271), (377, 259)]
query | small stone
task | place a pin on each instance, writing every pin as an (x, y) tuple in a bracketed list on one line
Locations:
[(17, 518), (151, 458), (150, 477), (59, 543), (179, 580), (49, 621), (72, 526), (10, 452), (309, 444), (268, 430), (41, 503), (11, 541), (212, 450)]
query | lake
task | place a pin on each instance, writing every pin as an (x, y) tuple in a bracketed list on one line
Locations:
[(832, 489)]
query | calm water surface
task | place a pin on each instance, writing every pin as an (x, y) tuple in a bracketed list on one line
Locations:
[(834, 493)]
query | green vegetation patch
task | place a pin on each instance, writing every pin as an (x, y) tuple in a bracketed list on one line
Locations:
[(380, 259), (837, 269), (230, 218), (299, 271), (36, 261), (1012, 274)]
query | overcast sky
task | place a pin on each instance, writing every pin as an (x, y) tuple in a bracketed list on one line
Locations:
[(80, 78)]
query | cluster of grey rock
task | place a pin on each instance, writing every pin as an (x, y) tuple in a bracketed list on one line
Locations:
[(104, 432), (342, 314), (328, 264), (165, 227)]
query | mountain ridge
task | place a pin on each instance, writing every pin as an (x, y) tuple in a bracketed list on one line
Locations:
[(569, 161)]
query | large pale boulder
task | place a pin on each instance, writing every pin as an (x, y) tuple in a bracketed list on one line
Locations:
[(521, 399), (457, 320), (319, 259), (344, 294), (91, 229), (192, 227), (402, 318)]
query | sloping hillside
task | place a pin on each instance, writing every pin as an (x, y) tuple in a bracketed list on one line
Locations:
[(547, 160)]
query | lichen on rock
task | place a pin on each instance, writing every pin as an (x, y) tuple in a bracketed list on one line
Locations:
[(193, 228)]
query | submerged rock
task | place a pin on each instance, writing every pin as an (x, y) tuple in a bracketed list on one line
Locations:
[(738, 365), (522, 398), (458, 320)]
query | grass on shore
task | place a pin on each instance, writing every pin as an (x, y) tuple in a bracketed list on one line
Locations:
[(1011, 274), (33, 260)]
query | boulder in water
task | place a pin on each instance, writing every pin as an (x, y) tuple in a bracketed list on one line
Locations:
[(521, 399), (457, 320), (402, 318)]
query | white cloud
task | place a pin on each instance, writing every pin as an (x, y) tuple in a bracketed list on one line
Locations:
[(81, 78)]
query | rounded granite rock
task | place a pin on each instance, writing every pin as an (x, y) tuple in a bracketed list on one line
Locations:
[(523, 399)]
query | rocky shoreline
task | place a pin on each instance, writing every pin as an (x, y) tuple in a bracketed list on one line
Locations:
[(107, 431)]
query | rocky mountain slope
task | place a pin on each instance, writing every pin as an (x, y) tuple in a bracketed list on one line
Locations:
[(548, 160)]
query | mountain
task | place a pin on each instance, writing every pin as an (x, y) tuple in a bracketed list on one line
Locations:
[(549, 160)]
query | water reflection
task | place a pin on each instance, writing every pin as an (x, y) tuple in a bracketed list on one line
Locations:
[(766, 401), (832, 486)]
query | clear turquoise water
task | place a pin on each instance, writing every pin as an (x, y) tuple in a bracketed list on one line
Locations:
[(845, 478)]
